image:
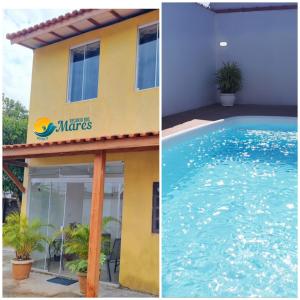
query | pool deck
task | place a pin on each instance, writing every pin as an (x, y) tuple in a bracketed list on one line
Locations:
[(204, 115)]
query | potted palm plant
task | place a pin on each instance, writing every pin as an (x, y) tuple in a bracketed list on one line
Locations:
[(77, 244), (25, 237), (229, 80)]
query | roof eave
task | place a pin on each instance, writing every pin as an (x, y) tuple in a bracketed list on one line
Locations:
[(26, 36), (35, 33)]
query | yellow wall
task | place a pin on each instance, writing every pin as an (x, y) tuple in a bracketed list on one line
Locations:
[(140, 247), (139, 269), (119, 107)]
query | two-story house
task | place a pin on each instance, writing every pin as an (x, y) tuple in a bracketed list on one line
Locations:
[(92, 147)]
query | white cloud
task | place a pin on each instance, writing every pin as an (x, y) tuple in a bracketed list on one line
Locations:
[(17, 60)]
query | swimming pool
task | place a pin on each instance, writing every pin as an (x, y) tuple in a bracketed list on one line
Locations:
[(229, 209)]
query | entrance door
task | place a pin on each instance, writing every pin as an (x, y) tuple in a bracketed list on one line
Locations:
[(66, 200), (57, 202), (40, 194), (57, 208), (47, 203), (78, 211)]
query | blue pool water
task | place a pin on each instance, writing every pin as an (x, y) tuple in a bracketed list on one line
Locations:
[(229, 210)]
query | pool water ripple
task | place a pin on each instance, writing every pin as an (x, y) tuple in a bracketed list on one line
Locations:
[(230, 214)]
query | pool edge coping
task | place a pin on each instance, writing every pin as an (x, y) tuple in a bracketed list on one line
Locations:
[(171, 135), (183, 131)]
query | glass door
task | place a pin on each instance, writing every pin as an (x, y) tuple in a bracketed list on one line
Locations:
[(61, 197), (112, 207), (57, 208), (40, 194), (111, 232), (78, 206), (47, 203), (77, 211)]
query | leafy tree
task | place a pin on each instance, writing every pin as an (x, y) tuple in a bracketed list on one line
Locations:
[(15, 120)]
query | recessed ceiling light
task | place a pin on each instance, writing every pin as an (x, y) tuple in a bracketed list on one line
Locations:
[(223, 44)]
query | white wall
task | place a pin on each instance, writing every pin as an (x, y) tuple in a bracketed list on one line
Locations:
[(188, 57), (263, 43), (265, 46)]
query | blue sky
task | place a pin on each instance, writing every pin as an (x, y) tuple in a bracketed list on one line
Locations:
[(17, 60)]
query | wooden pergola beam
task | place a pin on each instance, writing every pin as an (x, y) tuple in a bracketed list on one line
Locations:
[(56, 149), (93, 272), (12, 176)]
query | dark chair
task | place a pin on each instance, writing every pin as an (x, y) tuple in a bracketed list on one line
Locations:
[(114, 256)]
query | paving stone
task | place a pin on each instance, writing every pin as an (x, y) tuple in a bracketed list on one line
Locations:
[(38, 286)]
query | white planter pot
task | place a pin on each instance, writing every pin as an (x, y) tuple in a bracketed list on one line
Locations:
[(227, 99)]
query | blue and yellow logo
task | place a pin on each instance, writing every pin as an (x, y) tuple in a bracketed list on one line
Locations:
[(43, 127)]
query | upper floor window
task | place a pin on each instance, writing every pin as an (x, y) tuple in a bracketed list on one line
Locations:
[(84, 72), (148, 57)]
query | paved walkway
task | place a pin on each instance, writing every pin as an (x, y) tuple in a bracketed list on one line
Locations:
[(37, 286), (203, 115)]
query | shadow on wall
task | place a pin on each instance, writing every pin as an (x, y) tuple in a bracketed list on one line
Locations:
[(263, 43)]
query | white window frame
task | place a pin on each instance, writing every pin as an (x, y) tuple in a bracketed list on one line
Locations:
[(137, 57), (70, 70)]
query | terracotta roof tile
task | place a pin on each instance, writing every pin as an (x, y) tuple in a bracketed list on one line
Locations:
[(47, 23), (83, 140)]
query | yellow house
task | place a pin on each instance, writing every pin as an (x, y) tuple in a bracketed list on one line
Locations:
[(94, 110)]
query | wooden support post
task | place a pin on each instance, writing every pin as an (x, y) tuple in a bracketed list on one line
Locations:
[(12, 176), (93, 272)]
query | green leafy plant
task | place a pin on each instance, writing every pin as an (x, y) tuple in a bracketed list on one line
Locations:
[(77, 243), (56, 246), (229, 78), (23, 235)]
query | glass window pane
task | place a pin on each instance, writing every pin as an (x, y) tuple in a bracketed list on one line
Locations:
[(38, 209), (86, 205), (91, 71), (44, 172), (76, 171), (77, 58), (147, 57), (57, 207)]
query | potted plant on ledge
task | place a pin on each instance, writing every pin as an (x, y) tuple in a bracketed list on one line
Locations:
[(25, 237), (229, 80)]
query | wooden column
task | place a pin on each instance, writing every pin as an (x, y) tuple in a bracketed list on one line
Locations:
[(93, 271)]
